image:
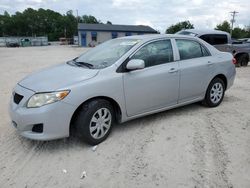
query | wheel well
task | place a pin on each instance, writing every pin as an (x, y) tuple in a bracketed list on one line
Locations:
[(224, 79), (242, 53), (115, 105)]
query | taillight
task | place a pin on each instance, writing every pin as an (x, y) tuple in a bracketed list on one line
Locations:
[(234, 61)]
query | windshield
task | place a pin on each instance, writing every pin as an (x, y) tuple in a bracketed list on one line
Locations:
[(106, 53)]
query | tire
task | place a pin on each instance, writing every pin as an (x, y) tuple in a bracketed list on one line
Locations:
[(242, 60), (90, 121), (215, 93)]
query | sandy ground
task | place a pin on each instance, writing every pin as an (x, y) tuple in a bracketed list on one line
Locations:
[(192, 146)]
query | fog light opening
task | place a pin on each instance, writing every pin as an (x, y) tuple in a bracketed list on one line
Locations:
[(37, 128)]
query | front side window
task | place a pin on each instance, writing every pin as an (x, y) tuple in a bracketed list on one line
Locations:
[(189, 49), (155, 53)]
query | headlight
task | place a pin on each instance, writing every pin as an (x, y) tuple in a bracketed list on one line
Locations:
[(41, 99)]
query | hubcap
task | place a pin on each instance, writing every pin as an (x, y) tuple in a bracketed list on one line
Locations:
[(216, 93), (100, 123)]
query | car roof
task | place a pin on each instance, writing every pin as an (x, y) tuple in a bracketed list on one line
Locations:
[(156, 36), (205, 31)]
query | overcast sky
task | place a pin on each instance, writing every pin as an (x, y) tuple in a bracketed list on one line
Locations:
[(158, 14)]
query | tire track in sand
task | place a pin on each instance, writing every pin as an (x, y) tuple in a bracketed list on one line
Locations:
[(211, 158)]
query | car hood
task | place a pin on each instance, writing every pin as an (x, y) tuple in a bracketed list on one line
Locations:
[(57, 77)]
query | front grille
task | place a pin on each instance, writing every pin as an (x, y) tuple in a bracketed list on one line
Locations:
[(17, 98)]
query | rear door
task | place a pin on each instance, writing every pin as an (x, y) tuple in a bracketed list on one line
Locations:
[(196, 66)]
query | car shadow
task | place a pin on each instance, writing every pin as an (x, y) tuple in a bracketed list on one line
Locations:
[(73, 142), (150, 119)]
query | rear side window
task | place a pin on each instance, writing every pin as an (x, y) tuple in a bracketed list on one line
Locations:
[(155, 53), (204, 51), (189, 49), (215, 39)]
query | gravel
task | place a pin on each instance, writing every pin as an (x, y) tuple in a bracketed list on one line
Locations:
[(191, 146)]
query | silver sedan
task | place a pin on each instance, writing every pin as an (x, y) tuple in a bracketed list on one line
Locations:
[(117, 81)]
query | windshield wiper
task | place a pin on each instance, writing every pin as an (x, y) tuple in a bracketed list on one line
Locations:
[(84, 64), (80, 63)]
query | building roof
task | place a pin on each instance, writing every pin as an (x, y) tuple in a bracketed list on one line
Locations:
[(121, 28)]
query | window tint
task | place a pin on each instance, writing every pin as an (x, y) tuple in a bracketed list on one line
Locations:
[(219, 39), (207, 38), (215, 39), (155, 53), (189, 49)]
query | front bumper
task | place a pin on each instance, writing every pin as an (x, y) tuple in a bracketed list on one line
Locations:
[(54, 118)]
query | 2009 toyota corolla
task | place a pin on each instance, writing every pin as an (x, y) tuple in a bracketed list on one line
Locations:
[(117, 81)]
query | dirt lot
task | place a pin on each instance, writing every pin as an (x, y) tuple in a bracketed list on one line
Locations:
[(192, 146)]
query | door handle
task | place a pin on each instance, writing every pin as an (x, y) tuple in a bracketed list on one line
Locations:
[(173, 70)]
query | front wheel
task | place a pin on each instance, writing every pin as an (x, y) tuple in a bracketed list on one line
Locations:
[(215, 93), (94, 121)]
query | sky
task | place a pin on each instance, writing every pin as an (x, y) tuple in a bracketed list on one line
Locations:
[(158, 14)]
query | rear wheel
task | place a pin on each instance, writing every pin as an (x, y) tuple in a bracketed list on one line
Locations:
[(242, 60), (215, 93), (94, 121)]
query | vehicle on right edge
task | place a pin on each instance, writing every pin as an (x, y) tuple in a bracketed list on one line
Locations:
[(223, 42)]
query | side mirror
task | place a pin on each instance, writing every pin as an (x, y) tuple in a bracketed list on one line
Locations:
[(135, 64)]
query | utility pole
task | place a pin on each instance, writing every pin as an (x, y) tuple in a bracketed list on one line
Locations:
[(233, 14), (65, 32), (77, 15)]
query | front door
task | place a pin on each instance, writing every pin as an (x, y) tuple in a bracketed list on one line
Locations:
[(156, 86)]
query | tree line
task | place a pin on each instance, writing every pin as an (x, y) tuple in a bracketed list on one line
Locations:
[(49, 23), (224, 26), (42, 22)]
